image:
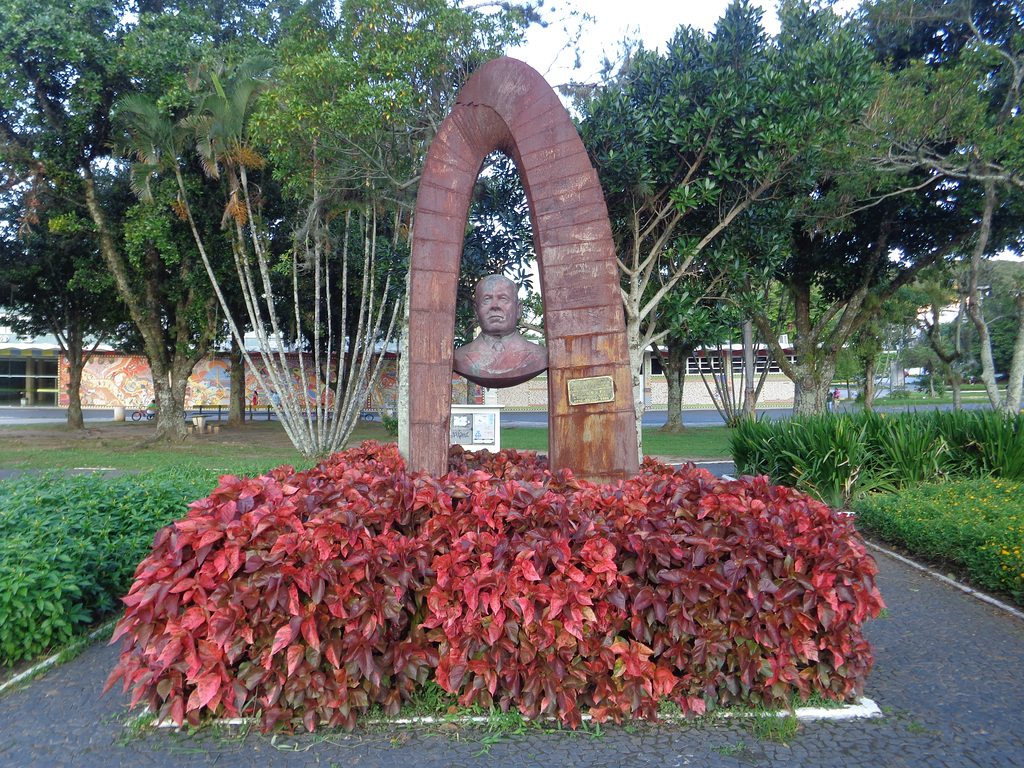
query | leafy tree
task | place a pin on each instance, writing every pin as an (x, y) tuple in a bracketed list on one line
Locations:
[(946, 351), (1000, 287), (952, 107), (691, 326), (885, 336), (921, 355), (363, 86), (871, 227), (223, 99), (64, 65), (710, 325), (217, 129), (360, 94), (345, 164), (687, 141), (52, 281), (847, 369)]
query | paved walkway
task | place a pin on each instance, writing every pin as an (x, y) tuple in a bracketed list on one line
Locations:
[(949, 675)]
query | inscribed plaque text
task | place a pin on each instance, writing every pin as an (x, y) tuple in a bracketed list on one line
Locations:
[(596, 389)]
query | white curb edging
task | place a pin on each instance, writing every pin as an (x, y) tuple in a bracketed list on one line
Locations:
[(946, 580), (51, 660), (863, 708)]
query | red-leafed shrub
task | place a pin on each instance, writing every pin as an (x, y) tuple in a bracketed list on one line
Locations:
[(311, 596)]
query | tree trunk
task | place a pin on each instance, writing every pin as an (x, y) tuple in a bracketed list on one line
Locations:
[(402, 396), (816, 355), (869, 384), (674, 365), (1016, 381), (988, 369), (749, 391), (954, 383), (674, 409), (170, 408), (169, 390), (810, 391), (76, 363), (236, 401), (636, 361)]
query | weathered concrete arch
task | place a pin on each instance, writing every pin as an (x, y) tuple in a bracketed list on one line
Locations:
[(507, 106)]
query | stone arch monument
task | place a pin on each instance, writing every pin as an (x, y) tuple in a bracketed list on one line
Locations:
[(507, 106)]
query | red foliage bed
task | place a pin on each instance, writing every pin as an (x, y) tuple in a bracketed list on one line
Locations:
[(310, 596)]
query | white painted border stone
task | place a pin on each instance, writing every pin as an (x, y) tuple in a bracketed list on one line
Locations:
[(946, 580), (862, 708), (51, 660)]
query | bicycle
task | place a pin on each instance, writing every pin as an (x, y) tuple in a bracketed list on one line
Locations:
[(143, 413)]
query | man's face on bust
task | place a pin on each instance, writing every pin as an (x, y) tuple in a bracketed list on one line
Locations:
[(497, 306)]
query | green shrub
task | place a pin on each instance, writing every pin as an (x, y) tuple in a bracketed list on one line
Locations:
[(987, 441), (976, 524), (909, 447), (838, 456), (69, 547), (826, 456)]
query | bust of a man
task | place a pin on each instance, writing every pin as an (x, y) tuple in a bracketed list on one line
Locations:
[(499, 356)]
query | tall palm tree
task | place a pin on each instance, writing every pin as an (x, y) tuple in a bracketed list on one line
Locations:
[(219, 125), (225, 98)]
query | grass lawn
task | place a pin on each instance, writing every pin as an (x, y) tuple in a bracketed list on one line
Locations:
[(258, 446), (972, 394), (694, 443)]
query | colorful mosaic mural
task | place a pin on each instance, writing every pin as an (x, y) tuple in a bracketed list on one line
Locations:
[(300, 371), (113, 379), (109, 380), (384, 394), (210, 383)]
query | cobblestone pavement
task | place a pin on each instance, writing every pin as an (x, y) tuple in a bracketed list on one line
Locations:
[(949, 677)]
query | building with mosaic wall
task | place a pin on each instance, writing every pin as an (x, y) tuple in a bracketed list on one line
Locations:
[(34, 372)]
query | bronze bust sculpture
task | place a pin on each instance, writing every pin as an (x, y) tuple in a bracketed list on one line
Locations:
[(499, 356)]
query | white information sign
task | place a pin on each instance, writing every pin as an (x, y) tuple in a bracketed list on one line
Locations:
[(483, 428), (476, 426)]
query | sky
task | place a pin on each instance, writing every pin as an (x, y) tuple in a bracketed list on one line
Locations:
[(652, 21)]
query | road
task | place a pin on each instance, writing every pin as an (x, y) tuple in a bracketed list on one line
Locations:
[(49, 415), (704, 417), (13, 414), (709, 417)]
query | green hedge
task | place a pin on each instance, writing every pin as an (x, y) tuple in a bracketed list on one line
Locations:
[(836, 457), (976, 524), (69, 546)]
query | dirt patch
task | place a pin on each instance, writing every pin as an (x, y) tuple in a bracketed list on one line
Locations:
[(128, 435)]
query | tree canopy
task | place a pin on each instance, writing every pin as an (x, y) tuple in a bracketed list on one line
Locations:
[(686, 142)]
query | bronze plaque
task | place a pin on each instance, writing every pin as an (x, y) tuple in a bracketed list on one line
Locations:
[(596, 389)]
